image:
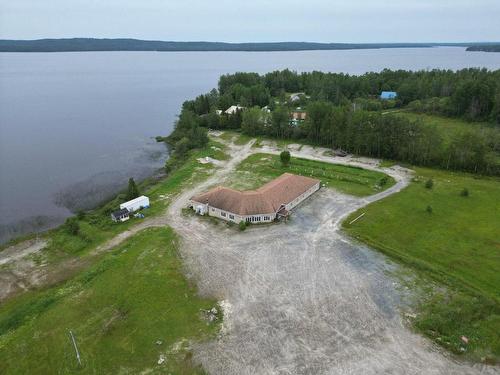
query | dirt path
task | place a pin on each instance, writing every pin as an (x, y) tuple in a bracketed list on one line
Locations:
[(21, 250)]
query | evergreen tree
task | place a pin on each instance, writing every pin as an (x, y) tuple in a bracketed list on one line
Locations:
[(132, 190), (285, 157)]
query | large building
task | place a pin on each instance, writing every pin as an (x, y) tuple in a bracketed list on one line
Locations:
[(272, 201)]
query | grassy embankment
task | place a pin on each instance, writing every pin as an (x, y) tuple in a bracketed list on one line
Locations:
[(260, 168), (119, 310), (448, 126), (240, 138), (456, 244), (96, 226), (118, 305)]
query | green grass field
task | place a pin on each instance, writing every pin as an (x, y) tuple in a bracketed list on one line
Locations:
[(260, 168), (118, 309), (448, 126), (240, 139), (457, 244)]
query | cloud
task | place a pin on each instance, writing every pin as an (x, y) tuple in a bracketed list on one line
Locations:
[(258, 20)]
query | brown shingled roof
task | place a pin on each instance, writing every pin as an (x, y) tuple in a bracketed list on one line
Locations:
[(265, 200)]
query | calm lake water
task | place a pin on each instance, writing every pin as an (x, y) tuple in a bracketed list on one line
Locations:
[(75, 126)]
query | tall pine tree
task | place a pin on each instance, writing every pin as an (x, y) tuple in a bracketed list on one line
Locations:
[(132, 190)]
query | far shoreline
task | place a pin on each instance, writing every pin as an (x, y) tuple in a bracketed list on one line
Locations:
[(137, 45)]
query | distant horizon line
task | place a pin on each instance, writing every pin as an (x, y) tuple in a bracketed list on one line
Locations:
[(131, 44), (246, 42)]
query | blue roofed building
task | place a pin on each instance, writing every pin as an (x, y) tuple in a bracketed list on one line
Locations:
[(388, 95)]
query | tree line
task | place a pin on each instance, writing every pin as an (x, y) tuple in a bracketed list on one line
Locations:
[(344, 112)]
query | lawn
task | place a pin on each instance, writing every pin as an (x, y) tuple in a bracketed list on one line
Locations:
[(125, 311), (449, 126), (260, 168), (240, 139), (457, 243)]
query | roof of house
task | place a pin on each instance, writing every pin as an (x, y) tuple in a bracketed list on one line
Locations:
[(233, 109), (135, 200), (388, 94), (121, 212), (265, 200)]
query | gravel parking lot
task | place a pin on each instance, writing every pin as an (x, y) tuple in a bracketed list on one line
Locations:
[(300, 298)]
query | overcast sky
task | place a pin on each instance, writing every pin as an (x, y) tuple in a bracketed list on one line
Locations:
[(254, 20)]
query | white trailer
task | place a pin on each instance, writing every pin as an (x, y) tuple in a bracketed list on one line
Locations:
[(136, 204)]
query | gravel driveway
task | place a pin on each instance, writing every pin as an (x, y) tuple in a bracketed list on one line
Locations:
[(300, 298)]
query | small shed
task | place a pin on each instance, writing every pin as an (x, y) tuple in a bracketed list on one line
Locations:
[(120, 215), (135, 204), (388, 95)]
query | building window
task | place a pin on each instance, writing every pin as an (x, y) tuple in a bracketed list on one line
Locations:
[(231, 217), (213, 209), (223, 214)]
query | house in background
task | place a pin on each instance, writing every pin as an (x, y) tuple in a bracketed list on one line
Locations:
[(297, 116), (232, 110), (388, 95), (123, 214), (297, 96), (120, 215)]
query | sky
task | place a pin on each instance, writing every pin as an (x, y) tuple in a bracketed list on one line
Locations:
[(355, 21)]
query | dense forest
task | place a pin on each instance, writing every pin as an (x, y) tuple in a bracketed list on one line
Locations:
[(485, 48), (128, 44), (345, 112)]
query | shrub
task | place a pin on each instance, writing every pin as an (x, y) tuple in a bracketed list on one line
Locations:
[(72, 226), (429, 209), (429, 183), (242, 225), (383, 181), (285, 157), (464, 192), (80, 215)]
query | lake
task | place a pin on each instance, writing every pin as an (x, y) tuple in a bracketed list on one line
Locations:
[(75, 126)]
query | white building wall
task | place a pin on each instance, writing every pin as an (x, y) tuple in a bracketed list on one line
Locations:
[(302, 197), (229, 216), (135, 204)]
